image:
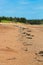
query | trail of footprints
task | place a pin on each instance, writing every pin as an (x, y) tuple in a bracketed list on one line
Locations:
[(26, 37)]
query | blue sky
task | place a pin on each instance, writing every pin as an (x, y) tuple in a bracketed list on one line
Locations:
[(30, 9)]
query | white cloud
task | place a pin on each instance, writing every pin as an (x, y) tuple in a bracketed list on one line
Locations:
[(24, 3), (39, 8), (10, 11)]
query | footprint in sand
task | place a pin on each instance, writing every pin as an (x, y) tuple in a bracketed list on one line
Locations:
[(8, 49)]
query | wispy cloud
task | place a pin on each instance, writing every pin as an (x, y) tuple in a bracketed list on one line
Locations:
[(10, 11), (39, 8), (24, 3)]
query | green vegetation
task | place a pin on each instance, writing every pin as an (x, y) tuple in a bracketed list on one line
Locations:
[(5, 21), (21, 20)]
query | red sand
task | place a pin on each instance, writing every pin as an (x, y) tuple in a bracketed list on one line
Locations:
[(20, 44)]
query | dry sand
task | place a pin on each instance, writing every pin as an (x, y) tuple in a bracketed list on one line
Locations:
[(21, 44)]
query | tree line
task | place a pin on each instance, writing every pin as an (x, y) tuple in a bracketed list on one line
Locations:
[(21, 20)]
